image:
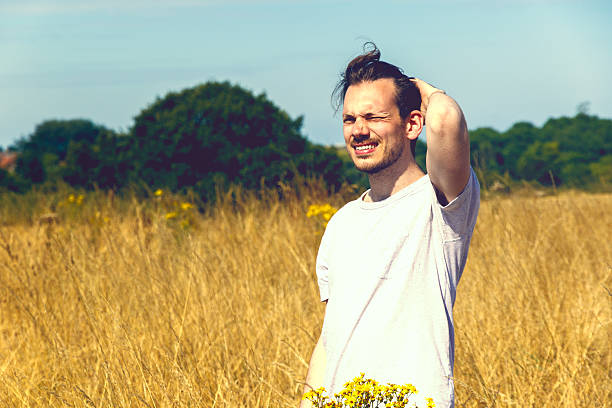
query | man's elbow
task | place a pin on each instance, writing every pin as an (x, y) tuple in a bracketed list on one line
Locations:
[(447, 120)]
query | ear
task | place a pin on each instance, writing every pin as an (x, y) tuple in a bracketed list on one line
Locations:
[(414, 124)]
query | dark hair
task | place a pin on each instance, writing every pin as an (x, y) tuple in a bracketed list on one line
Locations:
[(368, 67)]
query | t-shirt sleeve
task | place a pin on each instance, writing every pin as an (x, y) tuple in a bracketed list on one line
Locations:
[(458, 217), (456, 221)]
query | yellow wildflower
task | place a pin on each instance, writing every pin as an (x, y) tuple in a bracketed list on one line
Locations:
[(312, 211), (325, 211), (99, 219), (363, 392), (158, 192), (171, 215), (186, 206), (71, 198)]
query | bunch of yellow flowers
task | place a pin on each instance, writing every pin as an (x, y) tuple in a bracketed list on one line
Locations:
[(325, 211), (182, 207), (364, 392), (182, 214), (176, 211), (69, 208)]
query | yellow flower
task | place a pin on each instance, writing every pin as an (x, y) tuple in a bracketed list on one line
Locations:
[(312, 210), (71, 198), (79, 199), (408, 388), (186, 206), (158, 192), (363, 392), (324, 210), (171, 215)]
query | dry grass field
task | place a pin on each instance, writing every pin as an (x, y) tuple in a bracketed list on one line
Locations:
[(113, 302)]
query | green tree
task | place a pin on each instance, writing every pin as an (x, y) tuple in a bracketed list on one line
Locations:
[(515, 142), (219, 133), (539, 162), (102, 163), (54, 136), (486, 151), (12, 182), (602, 169), (30, 166), (566, 148), (43, 154)]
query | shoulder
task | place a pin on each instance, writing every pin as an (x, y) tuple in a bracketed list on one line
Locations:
[(349, 208), (340, 216)]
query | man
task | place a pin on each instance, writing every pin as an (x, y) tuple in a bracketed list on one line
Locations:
[(389, 262)]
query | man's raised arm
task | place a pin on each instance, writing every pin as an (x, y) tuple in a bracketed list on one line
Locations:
[(448, 143)]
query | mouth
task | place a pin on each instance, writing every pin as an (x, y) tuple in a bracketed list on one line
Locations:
[(363, 149)]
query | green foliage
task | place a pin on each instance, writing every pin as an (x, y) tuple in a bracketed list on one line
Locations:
[(602, 169), (76, 151), (218, 133), (421, 153), (30, 166), (564, 151), (12, 182), (103, 163), (54, 136), (538, 161)]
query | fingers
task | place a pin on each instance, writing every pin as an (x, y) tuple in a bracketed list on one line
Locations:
[(418, 82), (422, 87), (425, 88)]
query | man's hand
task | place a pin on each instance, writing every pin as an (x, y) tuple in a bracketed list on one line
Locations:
[(448, 143), (426, 91)]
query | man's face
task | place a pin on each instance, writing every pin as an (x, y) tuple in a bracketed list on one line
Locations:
[(374, 132)]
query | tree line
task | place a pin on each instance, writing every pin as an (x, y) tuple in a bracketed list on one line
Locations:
[(574, 152), (216, 134)]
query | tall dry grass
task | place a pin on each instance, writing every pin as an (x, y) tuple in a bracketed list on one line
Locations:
[(111, 304)]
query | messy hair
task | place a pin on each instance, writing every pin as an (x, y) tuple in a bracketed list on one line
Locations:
[(368, 67)]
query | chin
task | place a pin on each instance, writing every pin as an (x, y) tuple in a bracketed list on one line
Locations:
[(369, 168)]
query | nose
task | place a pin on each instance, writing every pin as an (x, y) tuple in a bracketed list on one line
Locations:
[(360, 127)]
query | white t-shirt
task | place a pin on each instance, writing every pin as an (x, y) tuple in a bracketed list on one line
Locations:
[(389, 270)]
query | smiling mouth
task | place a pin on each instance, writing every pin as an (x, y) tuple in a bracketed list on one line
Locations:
[(363, 149)]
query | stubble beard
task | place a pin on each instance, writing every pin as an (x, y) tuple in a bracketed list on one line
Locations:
[(388, 159)]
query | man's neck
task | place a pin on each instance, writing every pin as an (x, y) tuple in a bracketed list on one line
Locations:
[(391, 180)]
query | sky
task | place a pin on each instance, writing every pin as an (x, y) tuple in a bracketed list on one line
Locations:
[(504, 61)]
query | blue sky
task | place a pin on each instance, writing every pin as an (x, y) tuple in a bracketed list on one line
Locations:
[(503, 61)]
